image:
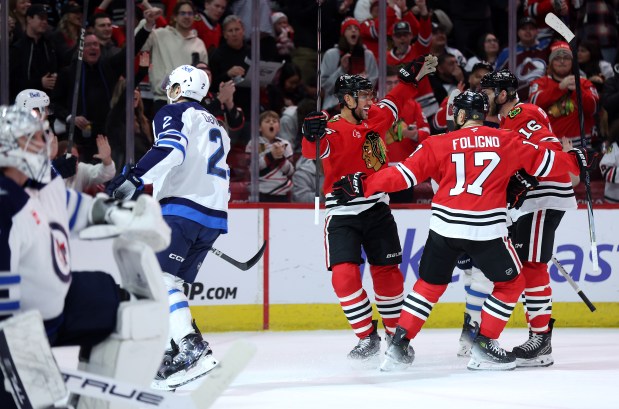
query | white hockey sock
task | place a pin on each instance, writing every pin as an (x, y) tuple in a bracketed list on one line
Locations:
[(180, 314), (477, 288)]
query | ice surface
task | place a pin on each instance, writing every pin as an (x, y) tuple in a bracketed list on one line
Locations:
[(308, 369)]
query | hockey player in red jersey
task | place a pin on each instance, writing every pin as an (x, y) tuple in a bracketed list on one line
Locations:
[(354, 142), (472, 166), (535, 222)]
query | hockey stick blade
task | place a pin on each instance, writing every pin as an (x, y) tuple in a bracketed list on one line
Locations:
[(131, 395), (570, 280), (559, 26), (218, 380), (244, 266)]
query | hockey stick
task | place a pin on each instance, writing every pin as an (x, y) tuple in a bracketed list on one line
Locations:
[(78, 76), (318, 108), (239, 264), (573, 284), (451, 125), (556, 24)]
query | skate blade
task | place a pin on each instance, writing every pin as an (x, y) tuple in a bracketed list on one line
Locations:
[(202, 367), (475, 365), (540, 361), (161, 385), (368, 363), (390, 365)]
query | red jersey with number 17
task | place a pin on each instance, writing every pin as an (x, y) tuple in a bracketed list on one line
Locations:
[(472, 167), (553, 192)]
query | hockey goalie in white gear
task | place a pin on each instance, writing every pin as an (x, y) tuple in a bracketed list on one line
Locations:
[(35, 259)]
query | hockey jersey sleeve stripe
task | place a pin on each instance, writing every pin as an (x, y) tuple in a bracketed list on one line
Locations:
[(178, 305), (173, 144), (389, 104), (546, 165), (9, 306), (76, 209), (327, 151), (10, 279), (173, 134), (408, 175)]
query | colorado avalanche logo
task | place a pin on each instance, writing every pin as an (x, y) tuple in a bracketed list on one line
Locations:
[(530, 69), (61, 257)]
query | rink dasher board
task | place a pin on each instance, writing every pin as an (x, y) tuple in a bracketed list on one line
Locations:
[(293, 289)]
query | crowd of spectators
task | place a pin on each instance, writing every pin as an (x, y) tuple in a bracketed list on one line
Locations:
[(469, 39)]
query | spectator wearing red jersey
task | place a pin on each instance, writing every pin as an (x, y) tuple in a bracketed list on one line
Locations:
[(207, 23), (556, 94)]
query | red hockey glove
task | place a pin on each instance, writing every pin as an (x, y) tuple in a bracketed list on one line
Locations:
[(314, 125), (349, 187)]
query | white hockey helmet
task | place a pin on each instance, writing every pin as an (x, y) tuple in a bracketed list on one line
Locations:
[(194, 83), (33, 99), (19, 147)]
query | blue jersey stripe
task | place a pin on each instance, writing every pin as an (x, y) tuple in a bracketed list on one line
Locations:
[(178, 305), (206, 220), (174, 145), (6, 280), (76, 210), (8, 306)]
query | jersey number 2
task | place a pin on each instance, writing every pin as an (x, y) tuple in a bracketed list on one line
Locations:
[(212, 169), (474, 188)]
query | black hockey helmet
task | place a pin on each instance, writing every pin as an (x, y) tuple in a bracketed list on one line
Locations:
[(475, 104), (351, 85), (499, 81)]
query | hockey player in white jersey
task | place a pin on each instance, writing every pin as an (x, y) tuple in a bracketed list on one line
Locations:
[(190, 178), (87, 309)]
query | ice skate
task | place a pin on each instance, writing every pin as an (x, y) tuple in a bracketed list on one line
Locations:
[(399, 355), (487, 355), (389, 340), (194, 360), (365, 353), (536, 351), (469, 330), (160, 382)]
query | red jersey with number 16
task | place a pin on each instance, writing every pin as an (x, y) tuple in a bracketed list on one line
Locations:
[(554, 192), (472, 167)]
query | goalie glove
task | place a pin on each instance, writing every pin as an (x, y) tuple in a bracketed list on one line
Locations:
[(126, 185), (517, 188), (414, 71), (349, 187), (314, 125), (65, 166)]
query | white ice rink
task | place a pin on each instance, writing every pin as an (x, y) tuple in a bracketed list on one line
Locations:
[(309, 370)]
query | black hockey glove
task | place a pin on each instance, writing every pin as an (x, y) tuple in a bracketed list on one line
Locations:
[(421, 66), (517, 188), (587, 159), (65, 167), (349, 187), (126, 185), (314, 125)]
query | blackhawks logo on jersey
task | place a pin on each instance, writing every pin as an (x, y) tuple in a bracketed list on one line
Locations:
[(512, 114), (374, 152)]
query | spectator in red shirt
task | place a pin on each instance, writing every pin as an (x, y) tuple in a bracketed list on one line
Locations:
[(555, 93)]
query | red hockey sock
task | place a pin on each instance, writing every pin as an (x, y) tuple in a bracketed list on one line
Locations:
[(418, 305), (346, 280), (499, 306), (389, 293), (538, 295)]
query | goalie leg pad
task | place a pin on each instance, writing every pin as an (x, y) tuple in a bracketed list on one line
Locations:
[(131, 353)]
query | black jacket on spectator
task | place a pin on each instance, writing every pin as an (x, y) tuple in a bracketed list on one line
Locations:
[(610, 96), (29, 61), (97, 84), (224, 58)]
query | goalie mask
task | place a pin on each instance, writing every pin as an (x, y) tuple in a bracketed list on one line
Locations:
[(24, 144), (34, 99), (193, 83)]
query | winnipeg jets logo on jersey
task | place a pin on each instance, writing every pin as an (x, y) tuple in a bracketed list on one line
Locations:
[(61, 256), (166, 121)]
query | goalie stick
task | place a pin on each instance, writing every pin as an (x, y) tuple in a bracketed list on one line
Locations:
[(557, 25), (239, 264), (573, 284)]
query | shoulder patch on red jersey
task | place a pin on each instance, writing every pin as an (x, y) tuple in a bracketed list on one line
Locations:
[(335, 118), (512, 114)]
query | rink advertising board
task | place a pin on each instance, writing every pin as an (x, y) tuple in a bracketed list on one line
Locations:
[(290, 288)]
